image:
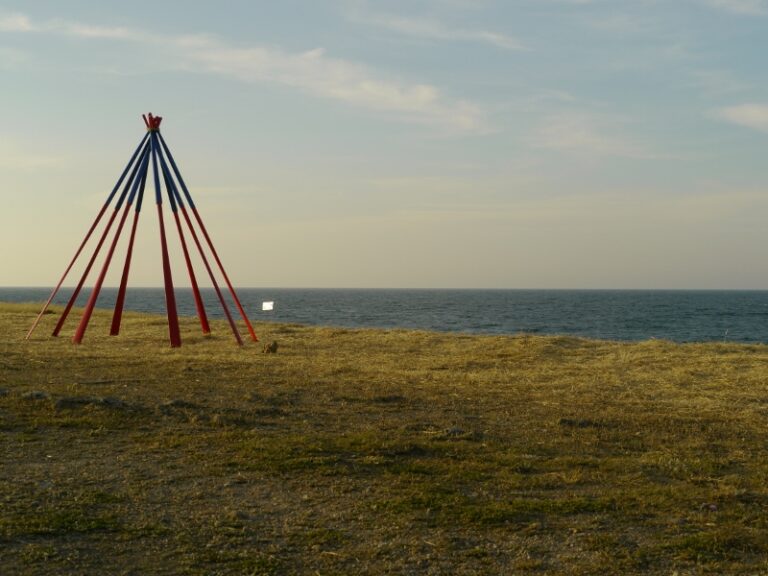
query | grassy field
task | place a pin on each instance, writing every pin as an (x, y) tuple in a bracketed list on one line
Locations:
[(377, 452)]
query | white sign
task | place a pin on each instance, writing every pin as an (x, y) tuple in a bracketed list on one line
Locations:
[(267, 305)]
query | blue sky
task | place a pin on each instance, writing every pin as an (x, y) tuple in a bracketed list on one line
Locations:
[(430, 143)]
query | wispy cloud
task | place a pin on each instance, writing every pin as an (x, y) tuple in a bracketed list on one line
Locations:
[(747, 7), (430, 29), (15, 23), (87, 31), (312, 72), (587, 134), (316, 73), (754, 116)]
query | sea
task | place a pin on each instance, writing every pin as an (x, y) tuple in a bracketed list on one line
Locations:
[(628, 315)]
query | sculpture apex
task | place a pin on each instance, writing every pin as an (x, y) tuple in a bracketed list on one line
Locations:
[(152, 122)]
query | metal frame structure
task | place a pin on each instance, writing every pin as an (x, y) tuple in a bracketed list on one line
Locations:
[(151, 150)]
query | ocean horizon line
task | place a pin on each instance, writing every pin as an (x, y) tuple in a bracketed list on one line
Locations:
[(616, 314), (399, 288)]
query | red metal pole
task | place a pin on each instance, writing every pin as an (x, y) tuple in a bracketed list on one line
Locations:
[(87, 236), (207, 237), (170, 299), (58, 286), (80, 332), (79, 286), (119, 303), (195, 290), (224, 306), (130, 184), (176, 201), (224, 273), (170, 189)]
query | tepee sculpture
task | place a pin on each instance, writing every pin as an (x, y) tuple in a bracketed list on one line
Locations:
[(151, 150)]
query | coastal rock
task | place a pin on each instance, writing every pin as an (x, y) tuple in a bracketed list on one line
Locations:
[(112, 402), (71, 402), (35, 395), (181, 408), (178, 403)]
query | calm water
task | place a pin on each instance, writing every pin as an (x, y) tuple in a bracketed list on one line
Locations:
[(683, 316)]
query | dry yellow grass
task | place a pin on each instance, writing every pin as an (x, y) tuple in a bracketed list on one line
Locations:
[(373, 452)]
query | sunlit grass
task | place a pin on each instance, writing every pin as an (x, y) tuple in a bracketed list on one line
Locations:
[(369, 451)]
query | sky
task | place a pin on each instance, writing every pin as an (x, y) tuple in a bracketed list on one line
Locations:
[(399, 144)]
